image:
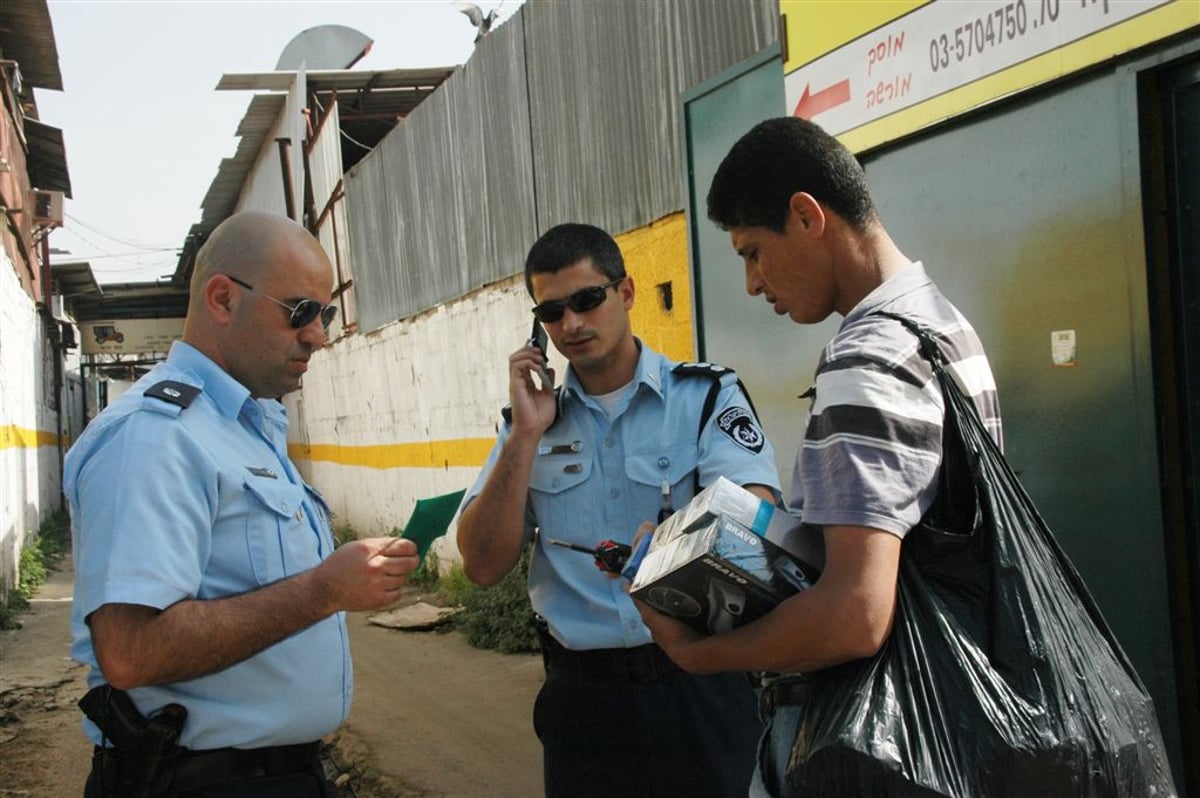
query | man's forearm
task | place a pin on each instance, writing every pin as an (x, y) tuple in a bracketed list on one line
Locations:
[(492, 528), (846, 615), (139, 646), (793, 638)]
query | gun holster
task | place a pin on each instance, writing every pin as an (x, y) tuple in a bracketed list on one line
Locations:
[(140, 761)]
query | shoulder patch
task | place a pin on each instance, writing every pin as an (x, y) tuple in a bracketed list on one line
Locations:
[(176, 393), (741, 427)]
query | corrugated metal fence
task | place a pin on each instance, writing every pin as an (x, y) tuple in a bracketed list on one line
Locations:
[(568, 112)]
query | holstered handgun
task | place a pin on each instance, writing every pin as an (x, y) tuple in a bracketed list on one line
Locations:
[(141, 745)]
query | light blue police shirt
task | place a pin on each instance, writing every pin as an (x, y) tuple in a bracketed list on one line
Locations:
[(171, 503), (596, 479)]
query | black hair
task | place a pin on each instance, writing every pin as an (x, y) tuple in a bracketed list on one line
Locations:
[(566, 244), (755, 182)]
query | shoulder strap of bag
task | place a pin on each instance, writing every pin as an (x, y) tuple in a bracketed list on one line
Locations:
[(928, 345), (956, 510)]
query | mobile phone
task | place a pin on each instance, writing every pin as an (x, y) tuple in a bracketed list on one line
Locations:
[(538, 338)]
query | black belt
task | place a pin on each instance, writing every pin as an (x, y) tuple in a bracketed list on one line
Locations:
[(783, 691), (646, 663), (196, 769)]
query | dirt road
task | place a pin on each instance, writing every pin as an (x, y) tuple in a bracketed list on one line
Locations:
[(432, 716)]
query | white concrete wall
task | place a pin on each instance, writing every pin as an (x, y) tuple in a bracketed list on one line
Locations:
[(30, 476), (438, 379)]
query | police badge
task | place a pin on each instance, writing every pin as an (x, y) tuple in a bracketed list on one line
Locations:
[(742, 428)]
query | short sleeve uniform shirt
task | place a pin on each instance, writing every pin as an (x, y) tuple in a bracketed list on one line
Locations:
[(170, 503)]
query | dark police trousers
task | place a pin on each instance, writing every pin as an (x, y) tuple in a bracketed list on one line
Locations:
[(291, 771), (629, 723)]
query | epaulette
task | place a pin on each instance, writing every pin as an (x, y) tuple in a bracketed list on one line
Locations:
[(700, 369), (716, 373), (177, 396)]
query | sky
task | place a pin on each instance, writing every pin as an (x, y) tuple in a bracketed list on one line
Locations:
[(144, 127)]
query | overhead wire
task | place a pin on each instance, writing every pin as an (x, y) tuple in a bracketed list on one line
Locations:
[(134, 244), (129, 266), (129, 260), (341, 130), (348, 138)]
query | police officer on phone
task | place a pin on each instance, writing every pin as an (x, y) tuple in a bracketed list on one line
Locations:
[(629, 436), (209, 598)]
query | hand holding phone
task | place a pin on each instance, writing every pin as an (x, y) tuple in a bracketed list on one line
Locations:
[(539, 339)]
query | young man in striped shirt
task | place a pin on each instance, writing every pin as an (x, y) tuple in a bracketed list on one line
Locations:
[(796, 205)]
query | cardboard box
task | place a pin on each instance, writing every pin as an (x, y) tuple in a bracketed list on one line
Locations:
[(724, 498), (718, 574)]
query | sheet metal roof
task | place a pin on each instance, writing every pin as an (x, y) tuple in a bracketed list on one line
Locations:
[(86, 301), (27, 37), (339, 79), (74, 280), (370, 103)]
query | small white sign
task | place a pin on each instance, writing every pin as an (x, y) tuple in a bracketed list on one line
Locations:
[(1062, 348), (129, 336)]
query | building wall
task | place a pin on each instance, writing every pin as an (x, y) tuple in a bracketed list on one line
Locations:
[(412, 410), (30, 481), (264, 186), (16, 231)]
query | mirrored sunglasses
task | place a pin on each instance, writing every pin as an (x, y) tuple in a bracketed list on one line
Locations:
[(581, 301), (303, 312)]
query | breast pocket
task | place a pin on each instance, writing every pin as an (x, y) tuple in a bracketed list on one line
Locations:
[(276, 529), (558, 490), (648, 468)]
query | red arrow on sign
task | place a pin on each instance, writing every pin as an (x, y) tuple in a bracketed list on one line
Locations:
[(812, 104)]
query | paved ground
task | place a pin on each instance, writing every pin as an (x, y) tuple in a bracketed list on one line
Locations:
[(432, 716)]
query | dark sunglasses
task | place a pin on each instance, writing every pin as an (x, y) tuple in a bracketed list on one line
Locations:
[(581, 301), (303, 312)]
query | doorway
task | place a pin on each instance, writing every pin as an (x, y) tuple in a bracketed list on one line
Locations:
[(1169, 109)]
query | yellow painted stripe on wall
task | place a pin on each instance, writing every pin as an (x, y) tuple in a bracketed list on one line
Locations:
[(426, 454), (12, 436)]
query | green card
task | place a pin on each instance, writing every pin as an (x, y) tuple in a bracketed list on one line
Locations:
[(430, 519)]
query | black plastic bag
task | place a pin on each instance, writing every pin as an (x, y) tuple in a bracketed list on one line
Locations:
[(1000, 677)]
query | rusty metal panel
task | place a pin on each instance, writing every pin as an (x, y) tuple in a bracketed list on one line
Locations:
[(444, 204), (604, 83)]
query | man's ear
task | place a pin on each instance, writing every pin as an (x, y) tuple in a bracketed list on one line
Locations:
[(218, 298), (627, 291), (806, 211)]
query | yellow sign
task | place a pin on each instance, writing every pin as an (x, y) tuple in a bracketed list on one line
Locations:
[(870, 71)]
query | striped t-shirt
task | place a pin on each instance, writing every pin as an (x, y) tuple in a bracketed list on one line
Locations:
[(873, 438)]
